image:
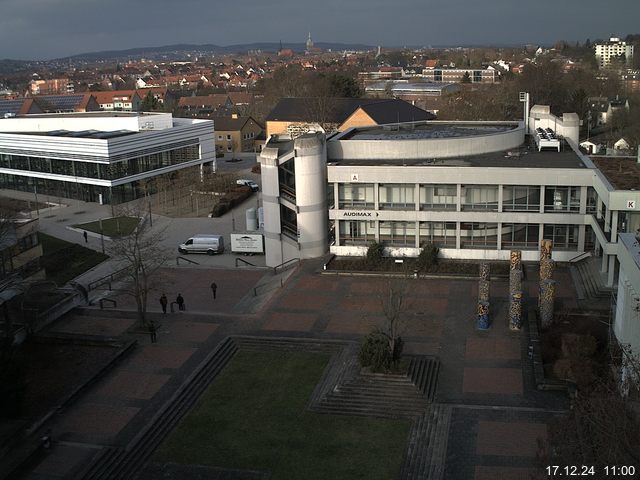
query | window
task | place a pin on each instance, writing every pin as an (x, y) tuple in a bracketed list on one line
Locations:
[(520, 198), (357, 232), (220, 137), (561, 199), (480, 197), (441, 234), (438, 197), (355, 196), (396, 196), (228, 137), (398, 234), (479, 235), (564, 237), (520, 235)]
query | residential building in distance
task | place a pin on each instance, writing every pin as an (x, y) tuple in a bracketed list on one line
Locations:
[(294, 116), (119, 100), (99, 156), (54, 86), (235, 133), (425, 95), (81, 102), (614, 50), (474, 189), (457, 75)]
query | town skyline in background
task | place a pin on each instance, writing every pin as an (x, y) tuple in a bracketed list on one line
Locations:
[(30, 30)]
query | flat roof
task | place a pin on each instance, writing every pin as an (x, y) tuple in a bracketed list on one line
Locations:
[(426, 131), (84, 134), (622, 173), (526, 156), (104, 113)]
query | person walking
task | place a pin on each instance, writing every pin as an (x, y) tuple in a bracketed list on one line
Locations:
[(180, 302), (214, 287), (153, 331), (86, 237), (163, 302)]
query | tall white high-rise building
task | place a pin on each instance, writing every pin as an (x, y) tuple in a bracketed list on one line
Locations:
[(607, 52)]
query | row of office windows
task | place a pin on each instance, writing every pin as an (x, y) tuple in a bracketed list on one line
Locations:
[(515, 198), (111, 171), (524, 236)]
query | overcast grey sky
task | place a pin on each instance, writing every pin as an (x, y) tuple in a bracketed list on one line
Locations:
[(44, 29)]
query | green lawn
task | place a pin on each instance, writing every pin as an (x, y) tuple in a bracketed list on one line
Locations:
[(253, 417), (63, 261), (112, 227)]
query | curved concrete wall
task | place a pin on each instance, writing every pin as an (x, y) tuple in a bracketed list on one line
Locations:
[(427, 148), (311, 195)]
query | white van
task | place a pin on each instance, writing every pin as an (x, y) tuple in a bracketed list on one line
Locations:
[(209, 244)]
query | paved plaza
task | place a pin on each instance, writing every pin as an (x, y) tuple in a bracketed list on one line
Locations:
[(498, 415)]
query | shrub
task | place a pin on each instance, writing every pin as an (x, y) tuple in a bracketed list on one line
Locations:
[(428, 257), (576, 345), (375, 254), (375, 352)]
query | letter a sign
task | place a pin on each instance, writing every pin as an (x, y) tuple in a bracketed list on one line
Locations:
[(354, 177)]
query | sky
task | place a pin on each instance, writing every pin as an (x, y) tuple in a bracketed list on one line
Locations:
[(46, 29)]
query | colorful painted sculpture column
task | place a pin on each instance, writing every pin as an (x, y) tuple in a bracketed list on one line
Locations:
[(547, 295), (515, 290), (483, 298)]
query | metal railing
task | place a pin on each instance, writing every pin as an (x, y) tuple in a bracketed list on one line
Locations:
[(285, 265), (579, 257), (243, 261), (186, 260), (107, 279)]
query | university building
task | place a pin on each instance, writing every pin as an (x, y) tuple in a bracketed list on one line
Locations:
[(474, 189), (99, 156)]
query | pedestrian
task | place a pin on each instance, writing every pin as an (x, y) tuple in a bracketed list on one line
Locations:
[(180, 302), (86, 237), (163, 302), (152, 331), (214, 287)]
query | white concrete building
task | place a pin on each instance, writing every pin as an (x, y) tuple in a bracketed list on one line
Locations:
[(626, 326), (99, 156), (607, 52), (474, 189)]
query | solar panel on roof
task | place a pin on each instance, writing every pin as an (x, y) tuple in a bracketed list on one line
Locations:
[(10, 106)]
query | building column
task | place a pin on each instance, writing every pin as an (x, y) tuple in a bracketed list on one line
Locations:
[(540, 234), (581, 237), (336, 196), (499, 239), (607, 221), (336, 231), (459, 202), (612, 270), (500, 198), (541, 202), (583, 200), (603, 267), (599, 208), (417, 235), (416, 197), (458, 243), (614, 226), (376, 204)]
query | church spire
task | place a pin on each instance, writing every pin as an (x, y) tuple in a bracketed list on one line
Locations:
[(309, 42)]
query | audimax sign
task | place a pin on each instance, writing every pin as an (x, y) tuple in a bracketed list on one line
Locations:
[(363, 215)]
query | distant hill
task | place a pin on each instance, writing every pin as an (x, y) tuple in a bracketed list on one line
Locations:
[(180, 49)]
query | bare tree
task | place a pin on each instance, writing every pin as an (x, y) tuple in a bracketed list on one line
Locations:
[(142, 255), (394, 307)]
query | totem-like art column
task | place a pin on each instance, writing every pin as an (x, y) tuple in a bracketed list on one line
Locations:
[(547, 285), (515, 290), (483, 298)]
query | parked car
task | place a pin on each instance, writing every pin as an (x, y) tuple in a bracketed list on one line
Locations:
[(249, 183)]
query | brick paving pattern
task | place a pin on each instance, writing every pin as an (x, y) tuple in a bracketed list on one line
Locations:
[(478, 369)]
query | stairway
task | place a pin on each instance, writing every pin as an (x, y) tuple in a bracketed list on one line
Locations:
[(587, 276), (427, 449)]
